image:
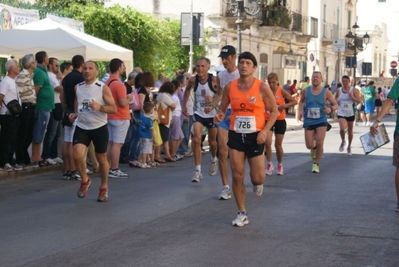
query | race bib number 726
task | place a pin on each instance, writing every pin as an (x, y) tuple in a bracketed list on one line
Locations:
[(245, 124)]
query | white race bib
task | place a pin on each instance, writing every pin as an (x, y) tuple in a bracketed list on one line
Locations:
[(85, 106), (347, 108), (313, 113), (245, 124)]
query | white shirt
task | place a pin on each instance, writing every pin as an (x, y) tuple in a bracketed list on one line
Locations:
[(225, 77), (177, 111), (90, 119), (8, 88), (54, 83)]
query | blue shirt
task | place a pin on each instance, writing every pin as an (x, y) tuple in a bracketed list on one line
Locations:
[(145, 126), (314, 108)]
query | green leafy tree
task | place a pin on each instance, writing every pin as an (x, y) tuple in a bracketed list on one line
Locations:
[(155, 43)]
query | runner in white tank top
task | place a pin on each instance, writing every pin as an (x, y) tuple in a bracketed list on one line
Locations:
[(93, 102), (205, 86), (346, 96), (228, 56)]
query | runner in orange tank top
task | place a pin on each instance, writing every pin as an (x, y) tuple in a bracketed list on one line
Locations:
[(279, 126), (248, 97)]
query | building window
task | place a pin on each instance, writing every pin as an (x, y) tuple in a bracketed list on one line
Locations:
[(375, 62), (314, 23), (349, 19), (263, 60), (324, 12), (382, 1)]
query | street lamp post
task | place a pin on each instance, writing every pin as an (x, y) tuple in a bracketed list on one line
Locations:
[(353, 43), (237, 8)]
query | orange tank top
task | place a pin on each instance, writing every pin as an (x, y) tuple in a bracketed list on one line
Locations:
[(279, 102), (248, 109)]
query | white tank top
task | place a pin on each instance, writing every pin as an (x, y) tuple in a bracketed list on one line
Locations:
[(345, 107), (89, 119), (225, 77), (200, 102)]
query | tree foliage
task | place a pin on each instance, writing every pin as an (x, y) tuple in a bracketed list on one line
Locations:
[(155, 43)]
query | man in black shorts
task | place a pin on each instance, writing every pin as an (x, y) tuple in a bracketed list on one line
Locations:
[(205, 86), (248, 97), (92, 104)]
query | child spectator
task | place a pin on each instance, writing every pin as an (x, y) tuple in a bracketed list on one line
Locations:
[(146, 134)]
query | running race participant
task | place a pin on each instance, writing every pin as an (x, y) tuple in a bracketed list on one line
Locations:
[(346, 96), (205, 87), (248, 97), (228, 55), (314, 110), (284, 101), (92, 104)]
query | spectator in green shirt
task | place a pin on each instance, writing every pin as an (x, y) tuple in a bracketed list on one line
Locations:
[(44, 105), (369, 102)]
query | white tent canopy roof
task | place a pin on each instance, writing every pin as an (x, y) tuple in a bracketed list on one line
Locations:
[(61, 42)]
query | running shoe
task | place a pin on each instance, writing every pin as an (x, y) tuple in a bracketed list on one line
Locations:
[(225, 194), (197, 177), (33, 165), (364, 124), (258, 189), (241, 220), (315, 168), (66, 175), (397, 208), (349, 151), (117, 174), (18, 167), (313, 153), (269, 168), (280, 170), (84, 188), (75, 175), (58, 160), (213, 169), (342, 147), (50, 161), (8, 168), (103, 195)]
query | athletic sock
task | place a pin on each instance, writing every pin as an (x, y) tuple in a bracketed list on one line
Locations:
[(198, 168)]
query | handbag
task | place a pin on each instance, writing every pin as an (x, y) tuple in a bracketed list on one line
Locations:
[(14, 107), (65, 118), (57, 112), (163, 115)]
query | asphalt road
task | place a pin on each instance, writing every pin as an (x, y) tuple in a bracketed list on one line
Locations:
[(343, 216)]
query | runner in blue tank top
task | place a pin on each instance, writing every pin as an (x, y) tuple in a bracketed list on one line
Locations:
[(314, 110)]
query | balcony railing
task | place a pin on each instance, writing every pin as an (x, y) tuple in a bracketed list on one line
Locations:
[(330, 31), (277, 16), (297, 22)]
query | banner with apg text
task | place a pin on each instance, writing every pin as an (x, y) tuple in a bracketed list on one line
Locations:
[(11, 17)]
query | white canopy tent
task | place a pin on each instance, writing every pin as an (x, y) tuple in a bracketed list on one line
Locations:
[(61, 42)]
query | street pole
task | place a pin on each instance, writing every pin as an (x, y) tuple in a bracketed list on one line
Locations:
[(239, 25), (191, 53), (354, 65)]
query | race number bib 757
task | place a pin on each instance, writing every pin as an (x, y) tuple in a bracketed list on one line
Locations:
[(245, 124)]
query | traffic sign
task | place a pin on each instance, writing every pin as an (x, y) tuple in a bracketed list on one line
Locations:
[(394, 64), (338, 45)]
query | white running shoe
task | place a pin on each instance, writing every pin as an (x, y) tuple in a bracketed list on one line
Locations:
[(269, 168), (225, 194), (58, 160), (241, 220), (213, 169), (280, 169), (51, 162), (258, 189), (117, 174), (197, 177), (364, 124)]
